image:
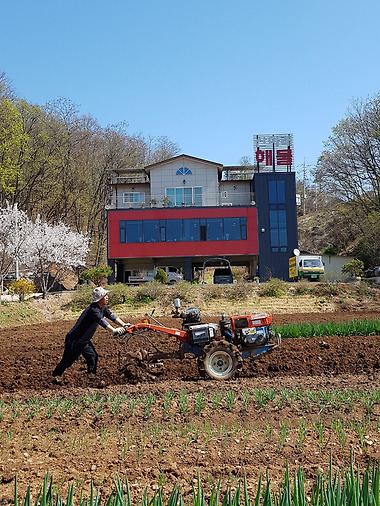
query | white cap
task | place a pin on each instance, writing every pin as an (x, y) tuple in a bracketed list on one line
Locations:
[(98, 293)]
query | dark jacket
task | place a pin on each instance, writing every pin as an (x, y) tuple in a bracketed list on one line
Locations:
[(86, 325)]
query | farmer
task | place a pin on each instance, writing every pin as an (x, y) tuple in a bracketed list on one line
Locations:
[(78, 340)]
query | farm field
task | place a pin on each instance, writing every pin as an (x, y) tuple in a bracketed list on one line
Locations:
[(159, 425)]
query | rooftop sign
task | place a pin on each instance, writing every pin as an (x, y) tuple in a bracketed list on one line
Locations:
[(274, 152)]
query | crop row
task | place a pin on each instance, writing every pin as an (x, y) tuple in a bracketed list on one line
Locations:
[(350, 488), (352, 328), (171, 404)]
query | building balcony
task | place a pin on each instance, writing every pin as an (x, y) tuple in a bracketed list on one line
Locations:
[(222, 199)]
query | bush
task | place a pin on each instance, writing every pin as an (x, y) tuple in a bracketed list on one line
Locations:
[(353, 268), (161, 276), (152, 290), (120, 294), (96, 275), (22, 287), (273, 288), (82, 297), (331, 250)]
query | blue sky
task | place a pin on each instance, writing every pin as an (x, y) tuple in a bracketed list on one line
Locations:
[(208, 74)]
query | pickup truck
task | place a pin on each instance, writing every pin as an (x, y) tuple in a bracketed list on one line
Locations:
[(143, 276)]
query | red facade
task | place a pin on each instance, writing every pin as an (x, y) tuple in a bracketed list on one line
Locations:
[(118, 250)]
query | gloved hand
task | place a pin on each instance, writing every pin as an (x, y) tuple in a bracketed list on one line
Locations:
[(119, 331), (126, 325)]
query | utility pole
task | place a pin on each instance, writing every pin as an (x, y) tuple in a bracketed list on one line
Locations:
[(304, 188)]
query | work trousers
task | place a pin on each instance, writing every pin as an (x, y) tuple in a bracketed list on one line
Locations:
[(73, 350)]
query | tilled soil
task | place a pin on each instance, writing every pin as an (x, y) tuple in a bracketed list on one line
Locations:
[(77, 447)]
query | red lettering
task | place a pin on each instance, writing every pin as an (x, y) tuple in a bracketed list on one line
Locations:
[(284, 157), (268, 157), (259, 156)]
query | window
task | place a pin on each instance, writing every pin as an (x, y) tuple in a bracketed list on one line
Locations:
[(214, 229), (188, 196), (133, 198), (131, 231), (278, 230), (277, 216), (174, 230), (189, 230), (151, 231), (232, 230), (276, 190), (183, 171)]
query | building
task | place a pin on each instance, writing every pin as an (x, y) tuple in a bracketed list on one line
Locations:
[(184, 210)]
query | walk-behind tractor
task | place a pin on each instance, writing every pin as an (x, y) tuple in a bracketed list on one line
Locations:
[(219, 349)]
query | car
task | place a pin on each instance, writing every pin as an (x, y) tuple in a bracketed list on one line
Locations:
[(223, 276)]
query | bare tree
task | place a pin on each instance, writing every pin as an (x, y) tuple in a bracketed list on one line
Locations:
[(349, 172), (349, 168)]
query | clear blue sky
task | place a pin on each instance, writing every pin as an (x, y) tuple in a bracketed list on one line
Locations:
[(209, 74)]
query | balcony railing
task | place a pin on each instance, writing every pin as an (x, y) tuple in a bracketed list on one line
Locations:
[(233, 199), (133, 178)]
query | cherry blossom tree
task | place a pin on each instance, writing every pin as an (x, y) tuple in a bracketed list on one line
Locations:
[(53, 251), (15, 228)]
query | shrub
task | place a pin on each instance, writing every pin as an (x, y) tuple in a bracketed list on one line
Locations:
[(82, 297), (353, 268), (161, 276), (96, 275), (152, 290), (22, 287), (273, 288), (331, 250), (240, 291), (120, 294)]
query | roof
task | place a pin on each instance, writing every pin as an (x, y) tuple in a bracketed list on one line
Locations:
[(188, 157)]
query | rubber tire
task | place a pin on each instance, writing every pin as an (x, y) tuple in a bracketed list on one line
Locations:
[(220, 360)]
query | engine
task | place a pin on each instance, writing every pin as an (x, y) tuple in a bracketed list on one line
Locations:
[(247, 330)]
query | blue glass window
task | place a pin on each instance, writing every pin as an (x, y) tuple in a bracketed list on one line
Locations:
[(134, 231), (196, 229), (184, 196), (151, 229), (191, 230), (170, 196), (214, 229), (183, 171), (232, 229), (173, 230), (276, 192)]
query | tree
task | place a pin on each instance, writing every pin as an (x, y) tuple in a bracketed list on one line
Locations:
[(6, 87), (15, 228), (96, 275), (349, 172), (160, 148), (54, 250), (353, 268), (350, 166), (13, 146)]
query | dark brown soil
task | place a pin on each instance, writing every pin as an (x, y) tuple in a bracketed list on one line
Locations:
[(74, 448)]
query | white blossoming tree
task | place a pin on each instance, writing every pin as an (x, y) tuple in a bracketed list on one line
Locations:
[(15, 228), (53, 251)]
